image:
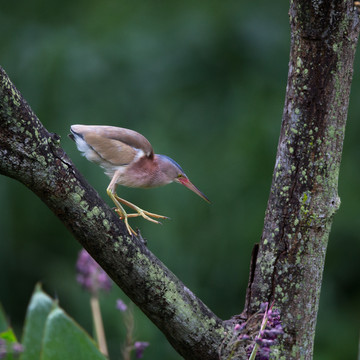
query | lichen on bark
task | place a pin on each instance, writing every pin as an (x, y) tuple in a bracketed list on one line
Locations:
[(303, 196)]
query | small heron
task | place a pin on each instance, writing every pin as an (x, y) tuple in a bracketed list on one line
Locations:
[(129, 160)]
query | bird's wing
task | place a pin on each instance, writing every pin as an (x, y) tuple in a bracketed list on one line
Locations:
[(130, 137), (119, 146)]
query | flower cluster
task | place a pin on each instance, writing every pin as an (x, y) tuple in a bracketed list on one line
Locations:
[(253, 339), (120, 305), (15, 349), (90, 275), (267, 337), (93, 278), (130, 345), (139, 347)]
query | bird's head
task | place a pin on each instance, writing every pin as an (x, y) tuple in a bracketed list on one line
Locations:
[(175, 173)]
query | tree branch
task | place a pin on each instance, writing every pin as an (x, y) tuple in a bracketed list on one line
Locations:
[(303, 197), (33, 156)]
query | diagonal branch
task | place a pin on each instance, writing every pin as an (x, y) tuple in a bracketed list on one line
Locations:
[(33, 156)]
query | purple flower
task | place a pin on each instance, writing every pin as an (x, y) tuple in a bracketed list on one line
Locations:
[(244, 337), (264, 342), (270, 329), (11, 348), (263, 306), (238, 327), (273, 333), (90, 275), (139, 347), (120, 305), (17, 349), (264, 353), (268, 336), (2, 349)]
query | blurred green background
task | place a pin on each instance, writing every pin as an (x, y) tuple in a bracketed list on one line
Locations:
[(205, 82)]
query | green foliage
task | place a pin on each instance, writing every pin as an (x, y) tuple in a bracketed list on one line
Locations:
[(7, 338), (37, 313), (64, 339), (50, 334), (8, 335)]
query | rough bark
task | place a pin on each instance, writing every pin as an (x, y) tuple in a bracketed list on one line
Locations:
[(33, 156), (303, 197)]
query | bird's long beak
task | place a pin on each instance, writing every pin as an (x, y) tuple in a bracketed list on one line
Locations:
[(186, 182)]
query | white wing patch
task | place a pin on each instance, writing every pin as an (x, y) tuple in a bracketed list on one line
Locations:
[(139, 154), (83, 147)]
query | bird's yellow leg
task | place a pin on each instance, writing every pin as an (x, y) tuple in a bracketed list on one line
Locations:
[(120, 210), (140, 212)]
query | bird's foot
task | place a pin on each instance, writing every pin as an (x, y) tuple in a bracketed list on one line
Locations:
[(148, 216), (140, 212), (124, 216)]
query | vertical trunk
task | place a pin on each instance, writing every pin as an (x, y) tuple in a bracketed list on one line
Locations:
[(303, 196)]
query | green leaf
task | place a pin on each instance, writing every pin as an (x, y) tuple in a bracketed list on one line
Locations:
[(8, 335), (65, 339), (10, 340), (38, 310), (3, 322)]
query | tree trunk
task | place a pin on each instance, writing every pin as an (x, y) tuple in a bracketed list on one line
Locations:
[(303, 199)]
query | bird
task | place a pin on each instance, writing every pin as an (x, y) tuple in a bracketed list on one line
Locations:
[(128, 158)]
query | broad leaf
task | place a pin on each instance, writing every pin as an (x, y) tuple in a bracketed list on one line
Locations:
[(65, 339), (8, 336), (38, 310)]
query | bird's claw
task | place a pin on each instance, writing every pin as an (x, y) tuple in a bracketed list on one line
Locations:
[(124, 217), (139, 212), (148, 216)]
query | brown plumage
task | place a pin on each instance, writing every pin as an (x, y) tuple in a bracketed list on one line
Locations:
[(129, 160)]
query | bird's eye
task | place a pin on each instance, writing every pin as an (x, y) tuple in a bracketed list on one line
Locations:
[(179, 176)]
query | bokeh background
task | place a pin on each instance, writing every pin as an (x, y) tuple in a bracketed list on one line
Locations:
[(204, 81)]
